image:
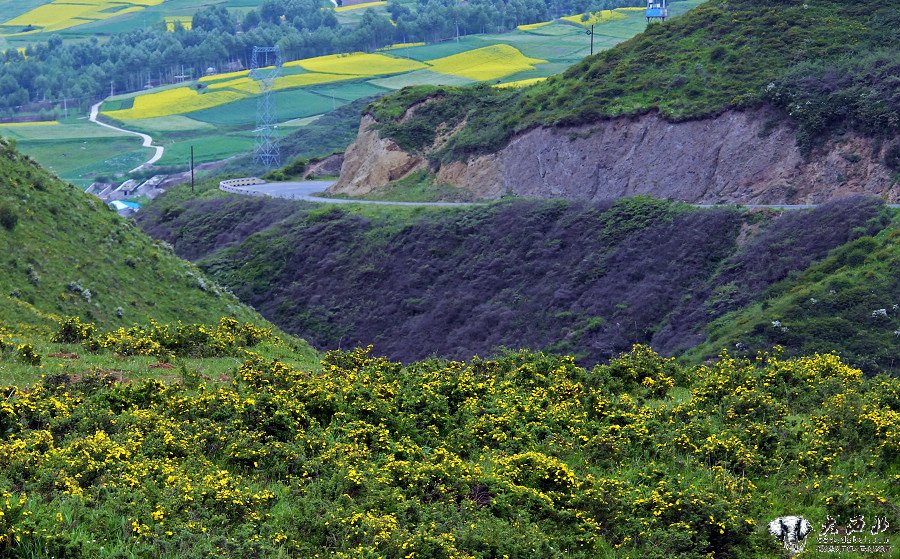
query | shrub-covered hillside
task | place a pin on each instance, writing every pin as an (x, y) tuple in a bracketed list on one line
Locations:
[(524, 456), (828, 64), (588, 280), (849, 300), (65, 253)]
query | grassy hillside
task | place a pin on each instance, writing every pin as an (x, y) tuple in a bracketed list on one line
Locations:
[(827, 64), (66, 253), (850, 300), (588, 280), (524, 456)]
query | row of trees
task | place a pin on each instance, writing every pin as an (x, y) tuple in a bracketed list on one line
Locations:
[(83, 72)]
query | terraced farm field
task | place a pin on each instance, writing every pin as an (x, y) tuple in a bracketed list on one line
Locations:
[(63, 14), (73, 19), (216, 114)]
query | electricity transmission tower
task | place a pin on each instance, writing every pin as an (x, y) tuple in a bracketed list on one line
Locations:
[(265, 68)]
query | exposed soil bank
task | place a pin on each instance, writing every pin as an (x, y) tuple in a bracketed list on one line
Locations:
[(740, 156)]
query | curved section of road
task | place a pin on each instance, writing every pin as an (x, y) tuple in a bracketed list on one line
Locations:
[(305, 191), (148, 141)]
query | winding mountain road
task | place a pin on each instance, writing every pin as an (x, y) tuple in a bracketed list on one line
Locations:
[(306, 191), (148, 141)]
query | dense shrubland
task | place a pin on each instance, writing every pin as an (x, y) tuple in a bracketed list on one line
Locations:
[(521, 456), (582, 279)]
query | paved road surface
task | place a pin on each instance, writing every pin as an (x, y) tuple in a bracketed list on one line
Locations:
[(148, 141), (305, 191)]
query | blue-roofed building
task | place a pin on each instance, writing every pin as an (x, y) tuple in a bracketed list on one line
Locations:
[(657, 9)]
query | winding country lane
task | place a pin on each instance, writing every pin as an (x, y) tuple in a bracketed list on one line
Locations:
[(306, 190), (310, 191), (148, 141)]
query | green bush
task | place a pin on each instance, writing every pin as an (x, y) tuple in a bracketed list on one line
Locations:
[(892, 157), (8, 216), (72, 331)]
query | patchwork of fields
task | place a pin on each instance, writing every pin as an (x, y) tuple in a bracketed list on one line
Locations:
[(63, 14), (216, 114), (26, 21), (77, 150)]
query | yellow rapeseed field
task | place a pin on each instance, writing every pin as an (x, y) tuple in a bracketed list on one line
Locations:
[(62, 14), (185, 21), (401, 46), (244, 84), (172, 102), (358, 63), (34, 123), (595, 18), (225, 76), (299, 80), (520, 83), (532, 26), (487, 63), (251, 86), (359, 6)]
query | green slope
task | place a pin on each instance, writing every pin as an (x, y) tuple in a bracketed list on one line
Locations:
[(66, 253), (828, 63), (847, 302), (582, 279)]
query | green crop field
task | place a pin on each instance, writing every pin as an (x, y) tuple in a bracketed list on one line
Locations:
[(219, 118), (210, 148), (77, 150)]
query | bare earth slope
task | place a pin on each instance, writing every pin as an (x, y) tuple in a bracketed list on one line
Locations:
[(739, 156), (748, 101)]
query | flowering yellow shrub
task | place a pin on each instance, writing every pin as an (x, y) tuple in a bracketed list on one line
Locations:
[(369, 458)]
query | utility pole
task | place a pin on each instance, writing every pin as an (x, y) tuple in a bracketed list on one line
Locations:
[(111, 90), (192, 169), (591, 33), (66, 108)]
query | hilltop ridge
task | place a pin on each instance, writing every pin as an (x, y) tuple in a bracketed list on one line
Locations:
[(742, 101)]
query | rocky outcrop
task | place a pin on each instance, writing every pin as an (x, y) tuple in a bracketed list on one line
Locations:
[(328, 167), (739, 156), (372, 162)]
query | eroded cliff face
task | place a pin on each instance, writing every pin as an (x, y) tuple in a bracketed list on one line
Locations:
[(746, 157), (372, 162)]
